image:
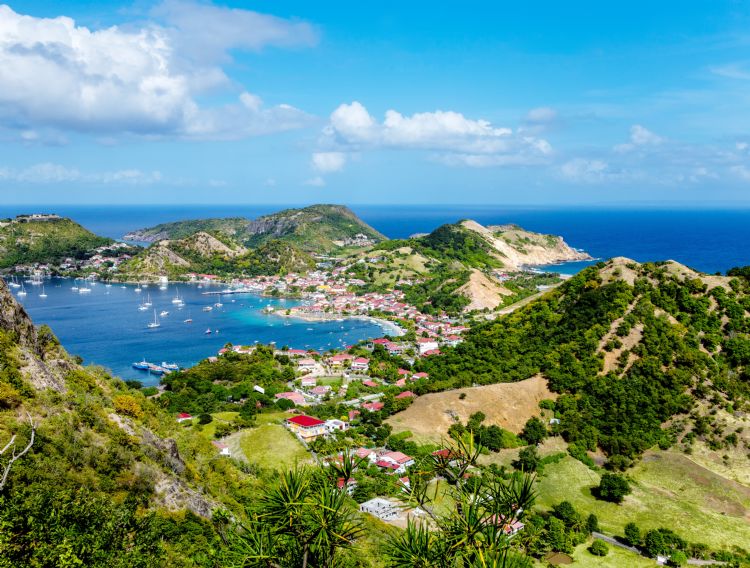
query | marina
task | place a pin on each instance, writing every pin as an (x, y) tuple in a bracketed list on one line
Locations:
[(113, 325)]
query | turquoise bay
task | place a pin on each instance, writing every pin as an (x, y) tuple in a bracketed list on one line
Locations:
[(105, 326)]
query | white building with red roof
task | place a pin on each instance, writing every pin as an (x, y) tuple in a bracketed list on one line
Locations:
[(306, 427)]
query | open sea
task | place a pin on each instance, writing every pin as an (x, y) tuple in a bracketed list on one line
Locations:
[(106, 328)]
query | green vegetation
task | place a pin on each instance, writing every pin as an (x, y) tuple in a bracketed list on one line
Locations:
[(613, 487), (50, 241), (270, 445)]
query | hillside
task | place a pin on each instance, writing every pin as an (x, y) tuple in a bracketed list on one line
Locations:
[(640, 354), (465, 266), (203, 253), (48, 240), (317, 228), (109, 479)]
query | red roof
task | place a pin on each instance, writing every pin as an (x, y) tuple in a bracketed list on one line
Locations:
[(406, 394), (373, 406), (369, 383), (432, 352), (184, 415), (380, 341), (305, 421), (386, 464)]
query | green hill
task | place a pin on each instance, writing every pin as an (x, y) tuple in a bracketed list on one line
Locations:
[(641, 354), (317, 228), (25, 240)]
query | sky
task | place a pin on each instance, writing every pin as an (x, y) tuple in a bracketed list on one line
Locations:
[(541, 103)]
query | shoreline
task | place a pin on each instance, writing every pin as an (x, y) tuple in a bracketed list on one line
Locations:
[(389, 327)]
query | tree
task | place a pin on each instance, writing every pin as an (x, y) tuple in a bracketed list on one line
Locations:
[(205, 418), (592, 523), (678, 558), (528, 460), (534, 432), (632, 534), (613, 487), (599, 548), (653, 543), (14, 457)]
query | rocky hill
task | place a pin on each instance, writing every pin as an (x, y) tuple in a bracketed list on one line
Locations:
[(317, 228), (47, 239)]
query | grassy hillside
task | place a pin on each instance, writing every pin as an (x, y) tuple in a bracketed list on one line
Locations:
[(49, 241), (632, 349), (318, 228)]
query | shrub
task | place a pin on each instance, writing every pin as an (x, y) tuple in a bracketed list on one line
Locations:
[(632, 534), (528, 460), (127, 405), (678, 558), (534, 431), (592, 523), (205, 419), (599, 548), (613, 487)]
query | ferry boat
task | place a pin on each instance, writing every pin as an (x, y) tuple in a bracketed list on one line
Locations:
[(156, 370), (170, 366), (141, 365), (154, 323)]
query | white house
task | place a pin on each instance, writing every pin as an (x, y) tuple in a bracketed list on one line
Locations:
[(426, 344), (380, 508)]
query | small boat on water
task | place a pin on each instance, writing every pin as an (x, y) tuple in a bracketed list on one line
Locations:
[(170, 366), (208, 331), (207, 308), (43, 294), (218, 305), (84, 290), (147, 303), (22, 291), (142, 307), (154, 323), (141, 365), (177, 299), (163, 313), (137, 289)]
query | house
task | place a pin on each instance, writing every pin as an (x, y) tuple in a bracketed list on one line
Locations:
[(183, 416), (431, 352), (259, 389), (405, 394), (334, 424), (380, 508), (360, 364), (405, 483), (309, 381), (350, 484), (320, 391), (367, 453), (509, 528), (340, 359), (401, 382), (453, 340), (306, 427), (373, 406), (306, 364), (417, 376), (295, 397), (369, 383), (426, 344), (223, 448), (353, 414), (295, 353), (400, 460)]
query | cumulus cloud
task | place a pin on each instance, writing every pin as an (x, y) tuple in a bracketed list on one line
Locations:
[(50, 173), (142, 80), (585, 170), (327, 162), (455, 138)]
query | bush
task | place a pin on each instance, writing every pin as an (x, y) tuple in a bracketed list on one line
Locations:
[(127, 405), (205, 419), (613, 487), (592, 523), (678, 558), (599, 548), (534, 431), (528, 460)]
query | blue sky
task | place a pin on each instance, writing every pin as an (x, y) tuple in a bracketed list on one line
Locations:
[(181, 101)]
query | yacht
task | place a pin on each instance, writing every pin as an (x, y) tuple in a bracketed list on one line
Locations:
[(142, 365), (177, 299), (163, 313), (208, 331), (170, 366), (43, 294), (207, 308), (218, 304), (22, 291), (154, 323), (84, 290), (147, 303)]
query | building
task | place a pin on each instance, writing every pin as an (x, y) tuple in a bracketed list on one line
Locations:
[(306, 364), (334, 424), (223, 448), (380, 508), (184, 416), (306, 427), (360, 364), (373, 406), (308, 381), (351, 484), (426, 344), (399, 461), (406, 394)]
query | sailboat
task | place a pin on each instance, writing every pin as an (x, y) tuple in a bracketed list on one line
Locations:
[(22, 291), (142, 307), (154, 323), (208, 331), (164, 313), (147, 303), (43, 294), (14, 283), (177, 299)]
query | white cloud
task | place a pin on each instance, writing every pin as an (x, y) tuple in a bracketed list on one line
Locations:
[(456, 138), (326, 162), (585, 170), (741, 172), (731, 71), (541, 115), (50, 173), (639, 136), (142, 80)]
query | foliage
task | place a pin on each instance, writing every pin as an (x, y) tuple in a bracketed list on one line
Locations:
[(599, 548), (613, 487)]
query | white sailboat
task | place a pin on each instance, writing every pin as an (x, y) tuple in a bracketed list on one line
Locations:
[(43, 294), (22, 291), (177, 299), (154, 323), (147, 303)]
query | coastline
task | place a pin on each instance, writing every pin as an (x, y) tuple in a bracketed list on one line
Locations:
[(389, 327)]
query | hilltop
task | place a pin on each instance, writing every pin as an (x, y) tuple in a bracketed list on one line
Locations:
[(44, 239), (317, 228)]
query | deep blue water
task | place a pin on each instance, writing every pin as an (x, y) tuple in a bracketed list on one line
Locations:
[(710, 240), (106, 327)]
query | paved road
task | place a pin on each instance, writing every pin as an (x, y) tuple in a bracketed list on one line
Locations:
[(615, 542)]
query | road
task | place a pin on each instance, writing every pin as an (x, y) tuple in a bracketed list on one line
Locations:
[(615, 542)]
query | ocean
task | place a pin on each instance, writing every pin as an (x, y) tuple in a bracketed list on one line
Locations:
[(106, 328)]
